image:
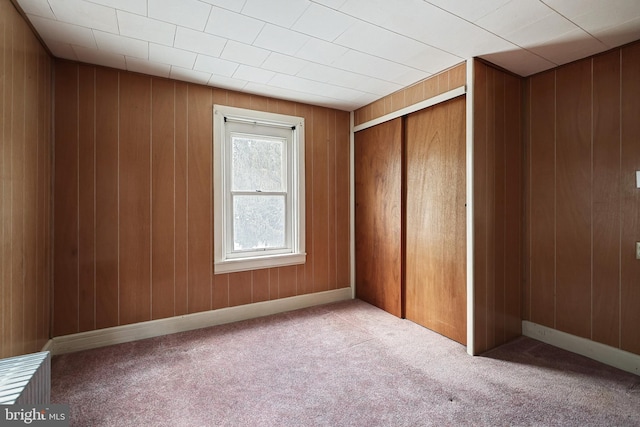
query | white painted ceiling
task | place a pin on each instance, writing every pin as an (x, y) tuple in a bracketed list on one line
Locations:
[(337, 53)]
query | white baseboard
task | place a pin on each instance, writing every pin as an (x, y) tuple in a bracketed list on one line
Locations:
[(48, 346), (154, 328), (608, 355)]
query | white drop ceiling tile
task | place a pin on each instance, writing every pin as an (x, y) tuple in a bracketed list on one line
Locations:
[(333, 4), (138, 65), (171, 56), (309, 86), (244, 53), (197, 41), (427, 24), (513, 16), (376, 86), (595, 15), (284, 64), (324, 73), (471, 10), (253, 74), (234, 26), (538, 33), (569, 47), (37, 7), (62, 32), (134, 6), (372, 11), (62, 50), (234, 5), (280, 12), (323, 22), (280, 40), (94, 56), (292, 95), (143, 28), (186, 13), (519, 61), (320, 51), (429, 59), (217, 66), (607, 15), (395, 47), (189, 75), (121, 45), (382, 69), (85, 14), (621, 34), (226, 82)]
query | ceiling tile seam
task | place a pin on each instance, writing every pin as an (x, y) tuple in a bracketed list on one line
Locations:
[(337, 68), (404, 35), (574, 23), (491, 32), (300, 16), (323, 83)]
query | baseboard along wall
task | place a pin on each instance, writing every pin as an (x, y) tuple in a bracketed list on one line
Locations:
[(608, 355), (154, 328)]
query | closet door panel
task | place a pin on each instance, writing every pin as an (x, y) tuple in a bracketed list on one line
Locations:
[(435, 219), (378, 215)]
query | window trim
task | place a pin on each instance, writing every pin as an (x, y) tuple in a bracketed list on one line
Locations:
[(221, 194)]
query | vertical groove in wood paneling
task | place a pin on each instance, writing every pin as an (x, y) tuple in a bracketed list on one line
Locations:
[(86, 198), (343, 201), (106, 208), (480, 196), (490, 255), (606, 194), (18, 121), (573, 216), (630, 200), (30, 192), (542, 199), (199, 200), (163, 222), (65, 298), (320, 194), (513, 208), (181, 238), (134, 198), (500, 207), (25, 221)]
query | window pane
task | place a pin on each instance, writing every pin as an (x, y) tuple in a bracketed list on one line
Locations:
[(257, 164), (258, 222)]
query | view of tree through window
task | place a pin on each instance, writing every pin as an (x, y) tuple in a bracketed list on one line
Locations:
[(258, 188)]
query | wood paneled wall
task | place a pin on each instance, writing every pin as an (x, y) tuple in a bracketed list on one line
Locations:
[(437, 84), (583, 207), (133, 201), (25, 188), (498, 211)]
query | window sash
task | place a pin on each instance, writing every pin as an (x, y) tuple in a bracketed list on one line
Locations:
[(229, 120)]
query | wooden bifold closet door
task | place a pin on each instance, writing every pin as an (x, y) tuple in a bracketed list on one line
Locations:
[(435, 269), (378, 215)]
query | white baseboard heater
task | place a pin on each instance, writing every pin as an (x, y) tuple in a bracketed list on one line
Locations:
[(26, 380)]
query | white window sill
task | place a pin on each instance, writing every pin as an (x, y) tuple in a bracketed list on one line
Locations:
[(256, 263)]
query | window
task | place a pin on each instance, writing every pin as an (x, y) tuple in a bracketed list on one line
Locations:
[(258, 189)]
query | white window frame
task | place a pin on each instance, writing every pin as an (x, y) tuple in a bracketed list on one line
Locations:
[(266, 124)]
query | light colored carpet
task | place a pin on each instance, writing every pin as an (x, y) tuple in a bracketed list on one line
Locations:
[(343, 364)]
